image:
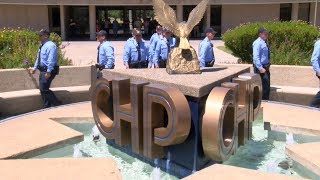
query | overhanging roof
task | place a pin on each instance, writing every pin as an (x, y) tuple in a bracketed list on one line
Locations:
[(144, 2)]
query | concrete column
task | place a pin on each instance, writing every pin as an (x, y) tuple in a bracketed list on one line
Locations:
[(208, 16), (312, 12), (92, 21), (295, 11), (62, 22), (180, 13)]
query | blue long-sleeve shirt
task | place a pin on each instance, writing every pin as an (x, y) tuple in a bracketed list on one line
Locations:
[(162, 50), (206, 53), (260, 53), (48, 56), (315, 59), (106, 54), (131, 51), (155, 38)]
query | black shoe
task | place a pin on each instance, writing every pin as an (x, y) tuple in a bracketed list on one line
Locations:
[(45, 107)]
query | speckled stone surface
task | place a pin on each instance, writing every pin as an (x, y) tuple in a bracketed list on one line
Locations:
[(195, 85), (308, 155), (217, 172), (62, 168), (36, 133), (291, 119)]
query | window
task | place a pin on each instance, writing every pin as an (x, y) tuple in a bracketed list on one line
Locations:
[(304, 12), (215, 21), (285, 12)]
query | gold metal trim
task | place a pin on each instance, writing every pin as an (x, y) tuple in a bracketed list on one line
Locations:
[(218, 130), (102, 109), (158, 132)]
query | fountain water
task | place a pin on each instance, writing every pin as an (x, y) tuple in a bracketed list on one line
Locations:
[(76, 151), (156, 174), (168, 162), (289, 139), (95, 134), (272, 166)]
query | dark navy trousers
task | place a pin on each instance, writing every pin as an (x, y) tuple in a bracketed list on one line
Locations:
[(48, 97), (265, 77), (316, 100)]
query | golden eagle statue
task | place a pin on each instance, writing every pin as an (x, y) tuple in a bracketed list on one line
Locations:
[(166, 17)]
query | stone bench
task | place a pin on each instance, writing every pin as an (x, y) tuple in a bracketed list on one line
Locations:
[(294, 95), (23, 101)]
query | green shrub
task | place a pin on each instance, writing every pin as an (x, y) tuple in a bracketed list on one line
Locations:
[(290, 43), (19, 47)]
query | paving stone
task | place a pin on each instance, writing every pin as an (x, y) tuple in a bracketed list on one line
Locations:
[(217, 172), (195, 85), (289, 118), (64, 168), (307, 155)]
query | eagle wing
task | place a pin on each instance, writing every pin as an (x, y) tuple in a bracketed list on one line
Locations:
[(196, 15), (166, 16)]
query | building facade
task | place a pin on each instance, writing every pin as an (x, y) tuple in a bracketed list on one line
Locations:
[(82, 18)]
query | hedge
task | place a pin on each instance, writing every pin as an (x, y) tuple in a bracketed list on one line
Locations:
[(19, 47), (291, 42)]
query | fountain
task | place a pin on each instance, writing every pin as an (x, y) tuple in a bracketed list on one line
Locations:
[(160, 126)]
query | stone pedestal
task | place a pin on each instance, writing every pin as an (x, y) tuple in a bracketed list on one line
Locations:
[(189, 156), (183, 61)]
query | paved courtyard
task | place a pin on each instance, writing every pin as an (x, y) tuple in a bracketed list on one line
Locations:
[(85, 52)]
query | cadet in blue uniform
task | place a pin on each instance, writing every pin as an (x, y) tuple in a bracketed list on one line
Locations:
[(105, 57), (261, 61), (46, 63), (206, 54), (155, 38), (163, 49), (157, 35), (136, 52), (315, 62)]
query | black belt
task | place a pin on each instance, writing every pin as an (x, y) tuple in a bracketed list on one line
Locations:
[(265, 66), (55, 70), (138, 64), (101, 67)]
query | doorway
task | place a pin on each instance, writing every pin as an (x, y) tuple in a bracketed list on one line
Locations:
[(196, 32), (54, 19), (77, 22), (119, 21)]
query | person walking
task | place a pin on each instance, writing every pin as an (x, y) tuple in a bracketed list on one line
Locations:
[(107, 24), (163, 49), (46, 63), (261, 61), (136, 52), (105, 57), (206, 54), (315, 62), (115, 28), (146, 24)]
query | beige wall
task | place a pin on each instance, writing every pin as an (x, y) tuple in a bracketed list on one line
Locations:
[(233, 15), (19, 79), (35, 17)]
